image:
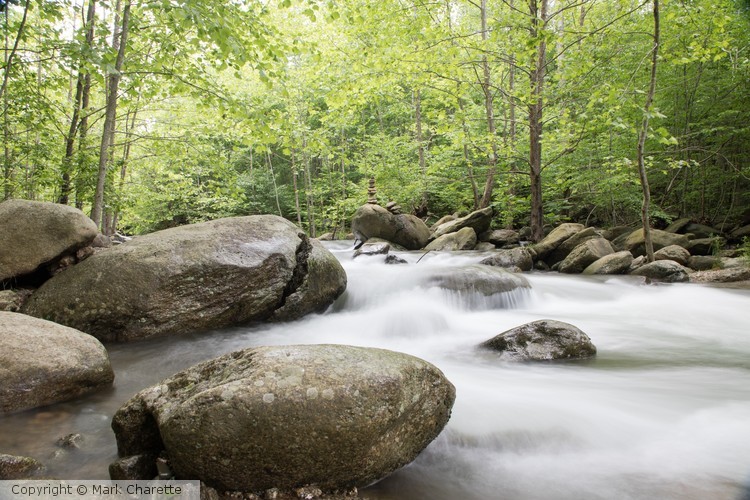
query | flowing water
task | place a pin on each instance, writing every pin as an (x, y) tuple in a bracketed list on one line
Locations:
[(662, 412)]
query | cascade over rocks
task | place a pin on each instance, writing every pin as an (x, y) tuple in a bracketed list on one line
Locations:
[(36, 234), (374, 221), (282, 417), (192, 278), (42, 363), (542, 340), (479, 221)]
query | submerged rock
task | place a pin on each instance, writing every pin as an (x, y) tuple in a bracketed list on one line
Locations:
[(193, 278), (288, 416), (43, 363), (35, 234), (542, 340)]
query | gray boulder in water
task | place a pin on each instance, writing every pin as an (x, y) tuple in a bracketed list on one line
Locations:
[(542, 340), (42, 363), (479, 221), (463, 239), (192, 278), (519, 257), (374, 221), (288, 416), (36, 233), (668, 271)]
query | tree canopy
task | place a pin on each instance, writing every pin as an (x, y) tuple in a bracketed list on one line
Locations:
[(165, 112)]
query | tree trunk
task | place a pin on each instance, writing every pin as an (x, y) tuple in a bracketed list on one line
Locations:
[(642, 140), (489, 107), (538, 11), (421, 210), (109, 118), (296, 189), (67, 163)]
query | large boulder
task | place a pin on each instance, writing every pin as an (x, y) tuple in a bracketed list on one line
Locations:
[(721, 275), (701, 231), (614, 263), (555, 238), (706, 246), (478, 286), (513, 258), (566, 247), (542, 340), (35, 234), (500, 237), (479, 221), (288, 416), (635, 242), (374, 221), (673, 252), (42, 363), (193, 278), (585, 254), (663, 270), (463, 239)]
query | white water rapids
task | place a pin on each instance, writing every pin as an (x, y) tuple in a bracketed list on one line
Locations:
[(662, 412)]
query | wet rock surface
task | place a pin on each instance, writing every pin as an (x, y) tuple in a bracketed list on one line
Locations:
[(542, 340), (289, 416), (43, 363), (192, 278), (35, 234)]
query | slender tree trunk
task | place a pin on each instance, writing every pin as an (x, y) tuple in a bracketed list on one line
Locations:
[(422, 209), (129, 126), (538, 11), (296, 189), (67, 163), (275, 186), (109, 118), (9, 59), (489, 107), (642, 139), (310, 197)]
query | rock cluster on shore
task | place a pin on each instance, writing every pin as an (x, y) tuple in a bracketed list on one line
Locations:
[(685, 251)]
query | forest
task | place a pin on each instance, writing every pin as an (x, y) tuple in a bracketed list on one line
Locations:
[(149, 114)]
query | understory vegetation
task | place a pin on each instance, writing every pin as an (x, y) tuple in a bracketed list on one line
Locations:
[(155, 113)]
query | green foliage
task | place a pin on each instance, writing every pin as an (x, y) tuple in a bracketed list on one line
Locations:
[(225, 105)]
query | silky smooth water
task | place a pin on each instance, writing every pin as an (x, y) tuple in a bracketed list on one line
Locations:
[(662, 412)]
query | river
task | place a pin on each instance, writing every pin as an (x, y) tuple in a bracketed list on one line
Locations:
[(663, 411)]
